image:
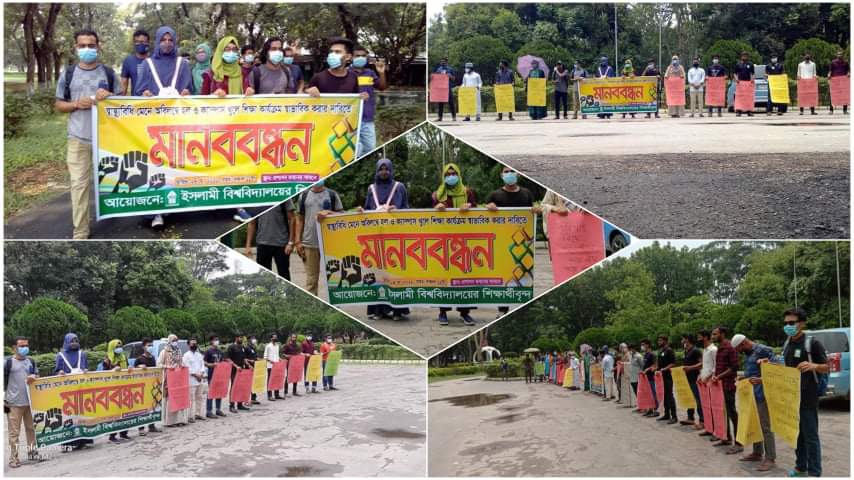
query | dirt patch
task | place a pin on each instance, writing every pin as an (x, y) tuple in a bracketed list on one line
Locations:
[(396, 433)]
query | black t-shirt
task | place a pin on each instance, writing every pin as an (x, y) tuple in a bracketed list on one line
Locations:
[(251, 354), (520, 198), (328, 83), (743, 71), (796, 353), (649, 361), (665, 358), (692, 357), (237, 354), (147, 360)]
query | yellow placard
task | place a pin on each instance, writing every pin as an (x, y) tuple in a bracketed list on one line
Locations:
[(568, 378), (88, 405), (505, 99), (467, 99), (684, 395), (782, 388), (536, 92), (778, 85), (155, 155), (315, 368), (259, 377), (427, 257), (749, 428)]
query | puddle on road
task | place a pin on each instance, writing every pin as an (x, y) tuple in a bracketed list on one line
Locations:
[(475, 400), (396, 433), (300, 471), (509, 418)]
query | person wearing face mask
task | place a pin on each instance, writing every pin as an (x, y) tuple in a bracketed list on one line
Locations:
[(511, 194), (775, 68), (292, 349), (806, 70), (716, 70), (271, 355), (675, 69), (384, 195), (453, 193), (651, 71), (451, 73), (710, 353), (247, 60), (132, 64), (195, 361), (236, 354), (337, 78), (308, 350), (504, 76), (79, 87), (271, 76), (765, 451), (692, 363), (807, 354), (328, 346), (578, 74), (369, 82), (145, 360), (202, 65), (744, 72), (19, 371), (635, 367), (251, 350), (628, 72), (560, 79), (604, 70), (72, 359), (536, 113), (696, 82), (115, 360), (295, 70), (213, 356), (315, 203), (839, 68), (649, 371), (726, 370), (665, 362), (170, 358), (472, 79)]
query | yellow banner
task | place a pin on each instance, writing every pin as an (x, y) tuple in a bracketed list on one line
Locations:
[(568, 378), (259, 377), (782, 388), (88, 405), (536, 92), (155, 155), (749, 428), (427, 257), (467, 97), (618, 94), (505, 99), (778, 85), (315, 368), (684, 395)]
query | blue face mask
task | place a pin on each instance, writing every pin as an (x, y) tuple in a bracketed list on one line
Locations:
[(150, 350), (140, 48), (119, 350), (23, 351), (87, 55), (790, 330), (288, 60), (230, 57), (276, 56), (360, 62), (333, 60), (321, 183), (452, 180), (509, 178)]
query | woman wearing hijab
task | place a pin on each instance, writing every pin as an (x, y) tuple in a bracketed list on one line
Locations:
[(536, 72), (628, 72), (115, 360), (203, 64), (452, 193), (171, 357), (225, 75), (675, 69), (384, 195), (71, 359)]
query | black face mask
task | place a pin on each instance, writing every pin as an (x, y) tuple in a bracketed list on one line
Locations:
[(194, 347)]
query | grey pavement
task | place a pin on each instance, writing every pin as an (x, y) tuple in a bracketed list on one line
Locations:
[(373, 426), (495, 428)]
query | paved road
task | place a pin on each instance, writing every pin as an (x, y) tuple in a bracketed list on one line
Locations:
[(544, 430), (729, 177), (420, 332), (353, 432), (52, 220)]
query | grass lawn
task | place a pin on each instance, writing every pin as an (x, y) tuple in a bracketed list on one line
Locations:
[(15, 77)]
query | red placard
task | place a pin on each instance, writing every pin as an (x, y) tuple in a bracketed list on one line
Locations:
[(715, 91), (706, 402), (808, 92), (840, 90), (277, 376), (439, 84), (241, 389), (218, 386), (295, 368), (645, 399), (659, 388), (744, 96), (178, 388), (716, 390), (576, 242), (674, 88)]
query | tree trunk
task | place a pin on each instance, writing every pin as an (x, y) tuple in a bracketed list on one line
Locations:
[(30, 38)]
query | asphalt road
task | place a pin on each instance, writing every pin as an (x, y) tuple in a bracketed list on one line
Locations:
[(373, 426), (545, 430), (750, 177)]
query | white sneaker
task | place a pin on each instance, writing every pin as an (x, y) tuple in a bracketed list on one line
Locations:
[(157, 222)]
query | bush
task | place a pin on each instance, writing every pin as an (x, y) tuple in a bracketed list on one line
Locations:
[(45, 321), (595, 337), (364, 351), (214, 321), (180, 322), (130, 324), (515, 369), (17, 108), (822, 53), (730, 53), (484, 51), (462, 369)]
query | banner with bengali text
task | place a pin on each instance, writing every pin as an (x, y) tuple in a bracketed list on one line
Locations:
[(315, 368), (536, 92), (597, 379), (89, 405), (505, 98), (439, 87), (715, 91), (674, 90), (808, 92), (333, 362), (618, 94), (427, 257), (161, 155), (782, 388), (778, 88), (840, 90), (576, 243), (682, 389)]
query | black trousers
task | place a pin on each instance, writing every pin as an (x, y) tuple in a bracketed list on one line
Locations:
[(268, 253), (450, 104), (669, 399), (731, 413), (561, 98), (781, 107)]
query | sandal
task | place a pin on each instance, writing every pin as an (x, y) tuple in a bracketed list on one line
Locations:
[(765, 466), (735, 449), (751, 458), (14, 463)]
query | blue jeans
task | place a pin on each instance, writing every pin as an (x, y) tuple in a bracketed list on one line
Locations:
[(696, 391), (209, 405), (652, 387), (808, 452), (367, 138)]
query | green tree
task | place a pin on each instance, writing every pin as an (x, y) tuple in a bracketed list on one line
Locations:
[(484, 51), (181, 323), (130, 324), (595, 337), (730, 53), (822, 53), (45, 321), (548, 51)]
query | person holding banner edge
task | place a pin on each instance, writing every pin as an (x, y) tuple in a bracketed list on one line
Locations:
[(710, 352), (838, 68), (504, 76), (692, 363), (651, 71), (19, 371), (726, 370), (213, 356), (715, 70), (807, 71), (753, 353)]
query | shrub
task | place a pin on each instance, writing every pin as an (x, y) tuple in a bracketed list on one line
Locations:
[(180, 322), (484, 51), (462, 369), (730, 53), (17, 108), (45, 321), (130, 324), (822, 53)]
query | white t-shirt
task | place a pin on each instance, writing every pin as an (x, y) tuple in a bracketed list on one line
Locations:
[(806, 70), (472, 79), (271, 354), (708, 369), (196, 363)]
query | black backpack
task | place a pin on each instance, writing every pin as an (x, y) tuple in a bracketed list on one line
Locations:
[(7, 370), (69, 75), (821, 379)]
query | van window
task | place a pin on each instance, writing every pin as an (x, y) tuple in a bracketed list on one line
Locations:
[(834, 342)]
